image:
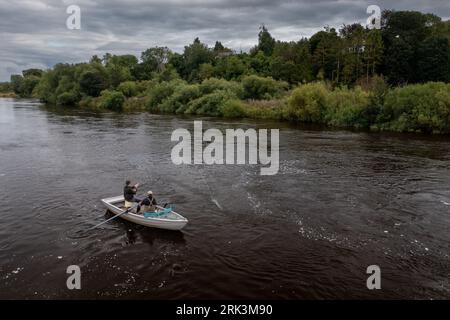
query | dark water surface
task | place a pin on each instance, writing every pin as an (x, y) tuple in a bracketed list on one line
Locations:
[(342, 201)]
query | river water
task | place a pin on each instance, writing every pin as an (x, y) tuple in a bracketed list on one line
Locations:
[(342, 201)]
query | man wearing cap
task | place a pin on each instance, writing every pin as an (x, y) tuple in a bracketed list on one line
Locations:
[(148, 204)]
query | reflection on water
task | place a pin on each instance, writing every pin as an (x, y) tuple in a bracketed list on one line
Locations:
[(342, 201)]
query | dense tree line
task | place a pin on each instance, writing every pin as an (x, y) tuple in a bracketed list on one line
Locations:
[(410, 48)]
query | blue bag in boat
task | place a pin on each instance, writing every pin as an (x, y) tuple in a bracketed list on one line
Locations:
[(157, 214)]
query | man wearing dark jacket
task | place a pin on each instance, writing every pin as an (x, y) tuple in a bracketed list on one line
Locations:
[(129, 192), (148, 204)]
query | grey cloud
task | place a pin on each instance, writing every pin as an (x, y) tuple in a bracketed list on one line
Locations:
[(33, 32)]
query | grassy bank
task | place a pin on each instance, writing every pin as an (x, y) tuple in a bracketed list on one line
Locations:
[(373, 105), (8, 95), (414, 108)]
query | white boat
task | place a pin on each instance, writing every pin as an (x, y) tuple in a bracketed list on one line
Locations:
[(169, 221)]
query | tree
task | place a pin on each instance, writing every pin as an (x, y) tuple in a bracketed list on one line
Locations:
[(194, 55), (291, 62), (95, 59), (230, 68), (260, 63), (399, 64), (32, 72), (403, 32), (324, 51), (92, 83), (373, 52), (155, 59), (206, 71), (117, 74), (353, 37), (266, 43), (433, 60), (16, 83)]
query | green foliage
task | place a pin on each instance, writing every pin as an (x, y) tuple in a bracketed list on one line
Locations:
[(433, 59), (160, 92), (89, 102), (68, 98), (259, 64), (92, 83), (168, 74), (210, 104), (112, 100), (292, 62), (308, 103), (179, 100), (406, 37), (233, 109), (5, 87), (24, 86), (348, 108), (117, 74), (420, 107), (206, 71), (155, 59), (210, 85), (194, 55), (262, 88), (231, 68), (266, 43), (128, 88), (32, 72), (265, 109)]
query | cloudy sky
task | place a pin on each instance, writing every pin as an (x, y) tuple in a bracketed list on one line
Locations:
[(33, 33)]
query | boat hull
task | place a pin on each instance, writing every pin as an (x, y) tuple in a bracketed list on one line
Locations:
[(174, 221)]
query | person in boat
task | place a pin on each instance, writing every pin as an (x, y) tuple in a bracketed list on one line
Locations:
[(148, 204), (129, 193)]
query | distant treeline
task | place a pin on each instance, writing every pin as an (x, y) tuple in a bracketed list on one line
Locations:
[(389, 79)]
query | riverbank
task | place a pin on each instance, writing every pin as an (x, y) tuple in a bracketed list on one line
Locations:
[(419, 108), (423, 108), (8, 95)]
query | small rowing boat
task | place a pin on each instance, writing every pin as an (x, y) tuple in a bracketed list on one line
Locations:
[(163, 218)]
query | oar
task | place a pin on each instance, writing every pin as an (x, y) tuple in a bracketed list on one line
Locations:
[(110, 219)]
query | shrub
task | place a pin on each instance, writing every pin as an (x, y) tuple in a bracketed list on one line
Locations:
[(5, 87), (179, 100), (210, 104), (143, 86), (256, 87), (265, 109), (233, 109), (213, 84), (160, 92), (69, 98), (135, 104), (348, 108), (92, 82), (128, 88), (112, 100), (420, 107), (88, 102), (308, 103)]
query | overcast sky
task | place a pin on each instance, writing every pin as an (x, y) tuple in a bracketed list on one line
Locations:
[(33, 33)]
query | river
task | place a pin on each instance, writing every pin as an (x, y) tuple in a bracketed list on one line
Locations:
[(342, 201)]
